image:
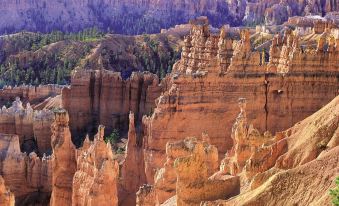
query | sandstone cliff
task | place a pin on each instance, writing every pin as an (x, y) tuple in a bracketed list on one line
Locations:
[(32, 126), (207, 82), (95, 181), (103, 97), (31, 94)]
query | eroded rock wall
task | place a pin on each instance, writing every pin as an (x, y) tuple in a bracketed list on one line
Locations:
[(201, 93), (29, 94), (32, 126), (103, 97)]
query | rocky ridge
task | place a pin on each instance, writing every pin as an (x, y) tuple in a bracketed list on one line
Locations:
[(150, 16)]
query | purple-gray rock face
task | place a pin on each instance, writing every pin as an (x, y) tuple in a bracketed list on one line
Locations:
[(150, 16)]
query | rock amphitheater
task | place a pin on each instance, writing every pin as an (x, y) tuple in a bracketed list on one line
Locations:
[(234, 123)]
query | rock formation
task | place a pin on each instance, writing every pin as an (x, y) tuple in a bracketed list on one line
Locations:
[(25, 175), (6, 197), (193, 182), (185, 178), (202, 90), (95, 181), (30, 125), (66, 16), (31, 94), (63, 160), (133, 166), (103, 97), (289, 164)]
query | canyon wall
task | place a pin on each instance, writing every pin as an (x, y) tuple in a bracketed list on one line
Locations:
[(206, 84), (32, 126), (103, 97), (31, 94)]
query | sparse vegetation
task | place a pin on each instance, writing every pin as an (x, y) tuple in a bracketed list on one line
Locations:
[(113, 137), (335, 193)]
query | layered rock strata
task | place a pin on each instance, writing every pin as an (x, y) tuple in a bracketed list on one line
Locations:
[(103, 97), (202, 89), (31, 94), (96, 179), (30, 125), (63, 160)]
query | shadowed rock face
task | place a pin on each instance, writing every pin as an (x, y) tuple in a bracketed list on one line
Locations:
[(103, 97), (149, 16)]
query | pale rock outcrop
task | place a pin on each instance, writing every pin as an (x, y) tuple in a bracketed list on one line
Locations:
[(6, 197), (246, 140), (31, 94), (95, 181), (28, 124), (193, 182), (165, 180), (63, 160)]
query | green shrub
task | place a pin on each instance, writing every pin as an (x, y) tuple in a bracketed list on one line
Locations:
[(335, 193), (113, 137)]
